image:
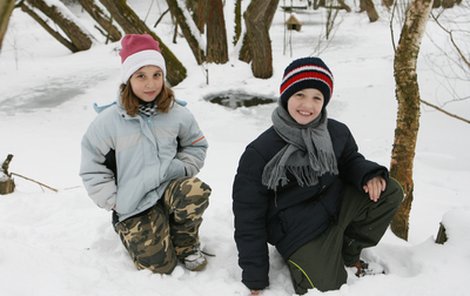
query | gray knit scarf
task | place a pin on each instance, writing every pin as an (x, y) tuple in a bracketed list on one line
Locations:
[(308, 154)]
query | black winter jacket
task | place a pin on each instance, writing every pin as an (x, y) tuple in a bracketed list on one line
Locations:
[(292, 215)]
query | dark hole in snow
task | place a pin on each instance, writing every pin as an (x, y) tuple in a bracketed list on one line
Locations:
[(239, 99)]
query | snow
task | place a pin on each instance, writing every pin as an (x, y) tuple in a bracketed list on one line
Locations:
[(59, 244)]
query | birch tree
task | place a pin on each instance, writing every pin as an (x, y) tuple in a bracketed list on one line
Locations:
[(408, 97)]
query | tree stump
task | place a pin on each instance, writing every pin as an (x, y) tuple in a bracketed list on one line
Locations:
[(441, 235), (7, 184)]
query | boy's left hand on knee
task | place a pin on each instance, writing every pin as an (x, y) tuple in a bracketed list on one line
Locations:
[(374, 187)]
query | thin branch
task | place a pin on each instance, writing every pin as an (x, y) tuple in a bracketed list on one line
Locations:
[(391, 26), (456, 100), (161, 17), (37, 182), (444, 111), (451, 36)]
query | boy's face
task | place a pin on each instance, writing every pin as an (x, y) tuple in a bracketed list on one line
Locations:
[(147, 83), (305, 105)]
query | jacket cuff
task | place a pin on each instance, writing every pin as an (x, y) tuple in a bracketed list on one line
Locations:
[(380, 172), (110, 203), (256, 285)]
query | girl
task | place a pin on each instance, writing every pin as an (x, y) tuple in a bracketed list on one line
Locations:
[(303, 187), (139, 159)]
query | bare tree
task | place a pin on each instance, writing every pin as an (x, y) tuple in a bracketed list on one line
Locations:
[(446, 3), (258, 19), (454, 24), (238, 21), (245, 52), (131, 23), (217, 49), (331, 4), (408, 97), (76, 38), (186, 24), (198, 9), (388, 3), (207, 14), (106, 22), (369, 7), (6, 8)]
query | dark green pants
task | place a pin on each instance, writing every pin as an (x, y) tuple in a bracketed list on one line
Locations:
[(168, 231), (361, 223)]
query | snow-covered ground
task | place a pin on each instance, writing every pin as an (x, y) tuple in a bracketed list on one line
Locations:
[(58, 244)]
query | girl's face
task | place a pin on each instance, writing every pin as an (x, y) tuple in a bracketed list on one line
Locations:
[(147, 83), (305, 105)]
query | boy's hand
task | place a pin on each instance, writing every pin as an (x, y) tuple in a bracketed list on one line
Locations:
[(374, 187)]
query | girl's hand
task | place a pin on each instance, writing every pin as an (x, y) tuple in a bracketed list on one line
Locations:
[(374, 187), (255, 292)]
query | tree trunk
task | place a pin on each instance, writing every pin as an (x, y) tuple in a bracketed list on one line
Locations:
[(185, 23), (238, 21), (387, 3), (449, 3), (245, 52), (258, 19), (407, 93), (437, 3), (103, 20), (368, 6), (132, 24), (51, 31), (217, 51), (343, 5), (6, 8), (198, 8), (78, 39)]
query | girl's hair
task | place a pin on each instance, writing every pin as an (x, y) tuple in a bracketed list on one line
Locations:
[(131, 102)]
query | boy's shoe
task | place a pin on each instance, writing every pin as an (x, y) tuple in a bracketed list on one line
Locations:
[(363, 268), (195, 261)]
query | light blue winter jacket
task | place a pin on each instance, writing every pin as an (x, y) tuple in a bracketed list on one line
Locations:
[(150, 151)]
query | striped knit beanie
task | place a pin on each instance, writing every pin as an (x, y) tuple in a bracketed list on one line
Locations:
[(308, 72), (139, 50)]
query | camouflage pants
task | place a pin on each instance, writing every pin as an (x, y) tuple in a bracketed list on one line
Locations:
[(168, 231)]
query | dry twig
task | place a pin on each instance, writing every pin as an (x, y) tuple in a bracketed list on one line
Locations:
[(37, 182), (444, 111)]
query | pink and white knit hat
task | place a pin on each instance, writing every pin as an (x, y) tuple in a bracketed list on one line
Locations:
[(139, 50)]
